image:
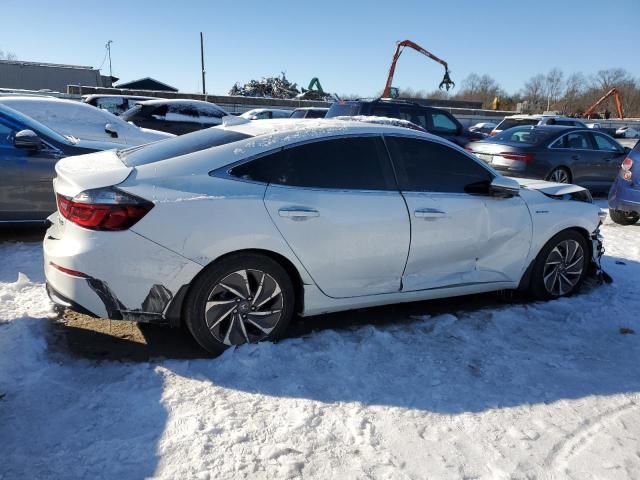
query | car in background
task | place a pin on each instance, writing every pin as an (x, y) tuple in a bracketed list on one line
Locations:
[(266, 114), (29, 151), (628, 132), (559, 154), (309, 112), (77, 119), (483, 127), (434, 120), (523, 120), (116, 104), (396, 122), (334, 216), (624, 196), (175, 116)]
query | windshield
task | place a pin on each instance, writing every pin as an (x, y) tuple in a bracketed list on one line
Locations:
[(175, 147), (514, 122), (526, 135), (343, 109), (37, 127)]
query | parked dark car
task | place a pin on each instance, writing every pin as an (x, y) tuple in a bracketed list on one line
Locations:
[(560, 154), (28, 154), (175, 116), (309, 112), (116, 104), (434, 120), (624, 197)]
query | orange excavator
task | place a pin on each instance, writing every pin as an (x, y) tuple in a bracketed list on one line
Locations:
[(617, 97), (389, 91)]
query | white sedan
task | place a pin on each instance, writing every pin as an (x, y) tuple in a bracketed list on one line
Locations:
[(235, 229)]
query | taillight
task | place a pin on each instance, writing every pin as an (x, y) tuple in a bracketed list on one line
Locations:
[(103, 209), (518, 157), (626, 169), (493, 133)]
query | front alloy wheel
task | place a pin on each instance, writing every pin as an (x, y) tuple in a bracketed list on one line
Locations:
[(563, 268)]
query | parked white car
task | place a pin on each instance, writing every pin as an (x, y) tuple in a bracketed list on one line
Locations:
[(627, 132), (82, 121), (544, 119), (235, 229), (266, 113)]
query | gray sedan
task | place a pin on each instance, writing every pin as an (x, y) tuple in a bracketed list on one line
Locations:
[(559, 154)]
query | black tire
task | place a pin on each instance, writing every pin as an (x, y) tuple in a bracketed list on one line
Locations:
[(562, 172), (624, 218), (543, 266), (209, 329)]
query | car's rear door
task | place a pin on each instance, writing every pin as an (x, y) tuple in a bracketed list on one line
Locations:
[(459, 233), (577, 150), (336, 203)]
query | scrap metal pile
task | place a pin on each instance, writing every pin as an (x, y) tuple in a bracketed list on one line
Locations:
[(269, 87)]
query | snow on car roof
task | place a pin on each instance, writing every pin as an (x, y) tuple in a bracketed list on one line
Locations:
[(178, 100)]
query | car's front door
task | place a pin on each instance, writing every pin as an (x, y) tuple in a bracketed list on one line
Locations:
[(337, 205), (459, 233), (612, 154)]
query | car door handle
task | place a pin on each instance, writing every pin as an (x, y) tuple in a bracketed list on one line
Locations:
[(429, 213), (298, 213)]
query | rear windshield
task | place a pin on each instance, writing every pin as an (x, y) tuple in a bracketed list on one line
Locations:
[(516, 122), (174, 147), (522, 135), (343, 109)]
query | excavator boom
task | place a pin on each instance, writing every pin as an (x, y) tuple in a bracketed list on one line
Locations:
[(617, 97), (446, 80)]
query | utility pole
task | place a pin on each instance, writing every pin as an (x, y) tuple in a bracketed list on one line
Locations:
[(204, 90), (108, 45)]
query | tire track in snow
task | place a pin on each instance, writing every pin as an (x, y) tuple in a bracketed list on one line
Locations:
[(568, 446)]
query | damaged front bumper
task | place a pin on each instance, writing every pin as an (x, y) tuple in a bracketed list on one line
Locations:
[(597, 251)]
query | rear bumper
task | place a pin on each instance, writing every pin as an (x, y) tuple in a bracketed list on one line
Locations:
[(623, 196), (116, 275)]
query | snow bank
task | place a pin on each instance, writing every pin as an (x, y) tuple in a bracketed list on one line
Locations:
[(516, 391)]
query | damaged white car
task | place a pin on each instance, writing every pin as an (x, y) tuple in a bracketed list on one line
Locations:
[(235, 229)]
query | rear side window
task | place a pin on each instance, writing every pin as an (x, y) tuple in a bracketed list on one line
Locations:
[(425, 166), (316, 114), (359, 163), (605, 143), (298, 114)]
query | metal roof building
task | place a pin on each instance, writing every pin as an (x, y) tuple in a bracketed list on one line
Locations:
[(49, 76)]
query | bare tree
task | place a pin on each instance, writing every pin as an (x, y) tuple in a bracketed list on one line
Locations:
[(480, 89), (575, 87), (553, 83), (533, 90), (7, 55)]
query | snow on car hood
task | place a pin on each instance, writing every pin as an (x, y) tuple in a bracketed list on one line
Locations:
[(550, 188), (94, 170)]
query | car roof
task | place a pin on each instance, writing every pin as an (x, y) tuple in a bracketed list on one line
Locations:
[(540, 116), (312, 108), (98, 95), (168, 101)]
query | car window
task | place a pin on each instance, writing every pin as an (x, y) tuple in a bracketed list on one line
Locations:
[(341, 109), (210, 115), (159, 113), (514, 122), (443, 123), (298, 114), (382, 111), (345, 163), (177, 146), (605, 143), (425, 166), (316, 114), (528, 135), (182, 113), (132, 102), (114, 105), (575, 140), (405, 112), (565, 123), (68, 118), (6, 134)]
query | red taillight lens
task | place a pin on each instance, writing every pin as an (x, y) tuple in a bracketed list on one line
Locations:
[(627, 164), (103, 209), (518, 157)]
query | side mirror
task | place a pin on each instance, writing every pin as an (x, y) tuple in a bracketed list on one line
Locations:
[(27, 139), (110, 130), (504, 186)]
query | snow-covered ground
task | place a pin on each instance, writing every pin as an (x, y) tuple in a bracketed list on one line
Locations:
[(539, 390)]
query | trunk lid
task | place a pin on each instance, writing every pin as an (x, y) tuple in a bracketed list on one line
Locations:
[(84, 172)]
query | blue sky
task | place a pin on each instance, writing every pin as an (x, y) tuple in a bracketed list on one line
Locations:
[(348, 45)]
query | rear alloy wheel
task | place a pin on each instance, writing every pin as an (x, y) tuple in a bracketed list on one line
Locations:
[(243, 299), (559, 175), (561, 266), (624, 218)]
